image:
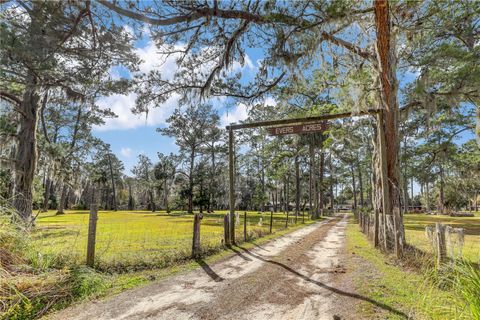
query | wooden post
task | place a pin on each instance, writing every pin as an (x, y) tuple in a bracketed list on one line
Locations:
[(226, 230), (440, 242), (197, 219), (245, 226), (92, 232), (231, 169), (271, 220)]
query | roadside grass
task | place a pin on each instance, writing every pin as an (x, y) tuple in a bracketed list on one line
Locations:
[(415, 291), (415, 232), (44, 271)]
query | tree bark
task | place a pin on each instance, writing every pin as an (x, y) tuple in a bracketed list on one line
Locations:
[(152, 202), (441, 199), (427, 198), (130, 197), (320, 183), (26, 155), (61, 201), (310, 187), (386, 64), (476, 200), (165, 200), (190, 181), (297, 186), (46, 195), (113, 183), (354, 189), (360, 185), (411, 193), (332, 196)]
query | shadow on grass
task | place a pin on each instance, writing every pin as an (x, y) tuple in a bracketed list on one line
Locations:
[(209, 271), (47, 234), (330, 288)]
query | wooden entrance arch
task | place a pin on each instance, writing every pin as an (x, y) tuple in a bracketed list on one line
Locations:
[(293, 123)]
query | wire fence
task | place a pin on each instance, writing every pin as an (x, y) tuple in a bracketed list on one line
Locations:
[(129, 240)]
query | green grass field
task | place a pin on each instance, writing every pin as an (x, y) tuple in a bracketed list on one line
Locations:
[(415, 232), (140, 239)]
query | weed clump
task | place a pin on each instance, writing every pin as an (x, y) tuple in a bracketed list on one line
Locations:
[(32, 283)]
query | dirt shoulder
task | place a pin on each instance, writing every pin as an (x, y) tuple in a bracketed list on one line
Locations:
[(298, 276)]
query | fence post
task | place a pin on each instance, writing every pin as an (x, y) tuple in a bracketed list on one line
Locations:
[(440, 242), (92, 232), (226, 230), (271, 220), (245, 226), (197, 219)]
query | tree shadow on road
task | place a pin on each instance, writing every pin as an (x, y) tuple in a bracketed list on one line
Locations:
[(238, 253), (323, 285), (209, 271)]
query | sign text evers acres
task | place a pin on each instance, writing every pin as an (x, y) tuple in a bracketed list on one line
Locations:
[(299, 128)]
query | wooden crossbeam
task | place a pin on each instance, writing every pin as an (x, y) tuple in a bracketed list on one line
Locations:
[(270, 123)]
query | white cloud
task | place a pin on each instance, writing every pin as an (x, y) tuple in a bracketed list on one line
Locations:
[(239, 113), (269, 101), (247, 64), (126, 152), (152, 59), (128, 30), (122, 106)]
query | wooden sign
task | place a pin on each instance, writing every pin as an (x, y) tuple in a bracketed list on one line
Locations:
[(299, 128)]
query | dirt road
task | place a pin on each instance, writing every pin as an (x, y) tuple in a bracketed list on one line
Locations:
[(297, 276)]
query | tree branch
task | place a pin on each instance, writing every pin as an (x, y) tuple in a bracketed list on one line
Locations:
[(206, 12)]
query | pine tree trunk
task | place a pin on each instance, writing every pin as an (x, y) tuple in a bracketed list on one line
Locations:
[(297, 185), (30, 107), (67, 199), (61, 201), (386, 64), (320, 183), (411, 193), (354, 189), (310, 179), (332, 199), (113, 183), (152, 202), (190, 182), (427, 198), (26, 155), (165, 200), (360, 184), (130, 197), (46, 194), (441, 199), (476, 200)]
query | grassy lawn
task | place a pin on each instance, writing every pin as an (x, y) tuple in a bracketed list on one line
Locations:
[(34, 289), (140, 239), (381, 278), (415, 232)]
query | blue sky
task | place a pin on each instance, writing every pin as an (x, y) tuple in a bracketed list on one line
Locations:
[(130, 135)]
